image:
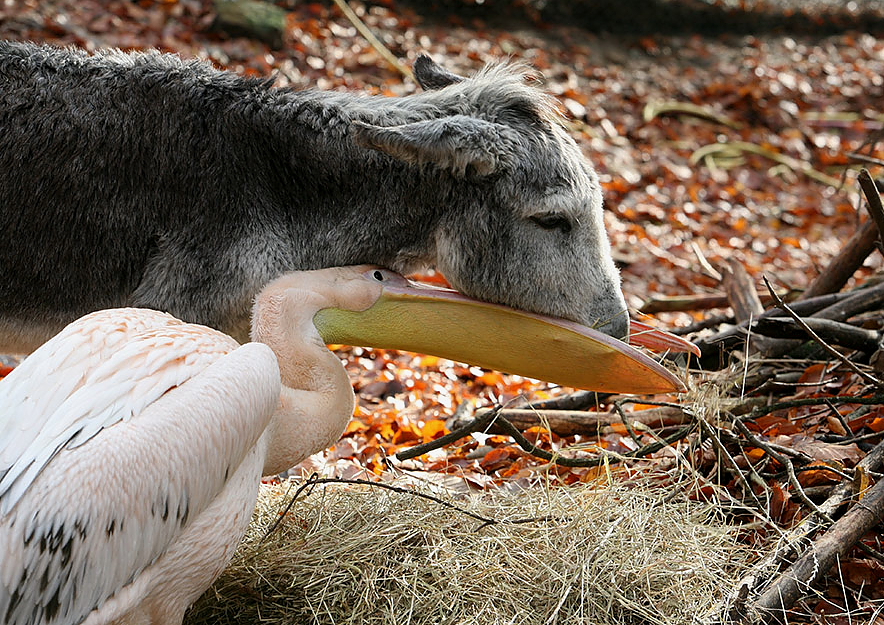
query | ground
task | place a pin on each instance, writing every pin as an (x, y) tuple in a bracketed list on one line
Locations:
[(759, 172)]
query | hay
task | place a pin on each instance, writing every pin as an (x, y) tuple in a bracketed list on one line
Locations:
[(355, 554)]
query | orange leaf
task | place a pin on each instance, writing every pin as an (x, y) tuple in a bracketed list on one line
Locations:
[(835, 426), (755, 454), (495, 458), (877, 425), (355, 426), (406, 435), (491, 378), (433, 430)]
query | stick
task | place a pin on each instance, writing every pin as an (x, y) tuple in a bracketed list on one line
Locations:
[(734, 148), (741, 292), (374, 41), (801, 532), (580, 400), (833, 331), (844, 265), (841, 357), (863, 158), (570, 422), (700, 301), (803, 307), (873, 197), (484, 421), (759, 411), (822, 555), (656, 109), (858, 302), (314, 479)]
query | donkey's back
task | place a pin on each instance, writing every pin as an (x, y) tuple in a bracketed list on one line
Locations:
[(143, 179)]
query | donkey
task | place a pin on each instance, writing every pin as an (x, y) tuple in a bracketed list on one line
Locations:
[(141, 179)]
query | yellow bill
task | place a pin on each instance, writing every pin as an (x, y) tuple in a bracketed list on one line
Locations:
[(445, 323)]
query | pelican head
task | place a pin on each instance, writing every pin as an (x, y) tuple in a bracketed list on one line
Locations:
[(371, 306)]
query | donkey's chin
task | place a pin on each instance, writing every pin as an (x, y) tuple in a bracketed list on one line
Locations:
[(616, 325)]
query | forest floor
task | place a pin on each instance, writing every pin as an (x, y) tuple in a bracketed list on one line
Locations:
[(714, 152)]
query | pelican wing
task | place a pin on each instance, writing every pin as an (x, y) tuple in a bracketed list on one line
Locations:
[(102, 369), (107, 461)]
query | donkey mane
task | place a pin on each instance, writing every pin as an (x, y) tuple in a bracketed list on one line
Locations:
[(500, 92), (198, 186), (503, 92)]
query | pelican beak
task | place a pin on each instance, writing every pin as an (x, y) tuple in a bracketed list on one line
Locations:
[(659, 340), (445, 323)]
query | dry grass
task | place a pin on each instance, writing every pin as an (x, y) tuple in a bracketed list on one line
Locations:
[(356, 554)]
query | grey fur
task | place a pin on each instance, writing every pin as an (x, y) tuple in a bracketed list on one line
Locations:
[(142, 179)]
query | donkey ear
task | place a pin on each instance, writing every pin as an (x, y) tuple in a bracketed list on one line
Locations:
[(452, 143), (430, 75)]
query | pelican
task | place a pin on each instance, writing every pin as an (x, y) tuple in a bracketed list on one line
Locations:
[(132, 443)]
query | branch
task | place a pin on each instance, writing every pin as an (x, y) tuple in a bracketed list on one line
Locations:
[(846, 262), (863, 158), (873, 197), (484, 421), (313, 480), (822, 555), (741, 293), (844, 360), (570, 422), (834, 331), (792, 541), (874, 400), (374, 41)]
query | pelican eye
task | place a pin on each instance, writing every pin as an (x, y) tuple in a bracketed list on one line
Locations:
[(378, 275), (552, 221)]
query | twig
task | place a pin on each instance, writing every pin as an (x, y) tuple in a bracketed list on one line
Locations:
[(700, 301), (799, 490), (478, 424), (483, 421), (808, 526), (811, 467), (735, 148), (741, 293), (840, 418), (859, 301), (844, 360), (809, 306), (812, 401), (702, 324), (627, 423), (873, 197), (777, 452), (570, 422), (365, 31), (846, 262), (822, 554), (580, 400), (656, 109), (863, 158), (314, 480), (753, 478), (837, 332)]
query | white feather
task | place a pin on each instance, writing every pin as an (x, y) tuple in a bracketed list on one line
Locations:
[(179, 408)]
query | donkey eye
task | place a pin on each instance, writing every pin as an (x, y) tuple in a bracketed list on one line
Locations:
[(552, 221)]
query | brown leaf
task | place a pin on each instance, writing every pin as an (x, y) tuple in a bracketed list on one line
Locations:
[(819, 450)]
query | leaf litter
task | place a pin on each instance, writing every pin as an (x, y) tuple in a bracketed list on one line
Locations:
[(602, 553), (709, 149)]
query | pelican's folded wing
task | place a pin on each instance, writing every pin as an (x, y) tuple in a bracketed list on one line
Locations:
[(110, 474)]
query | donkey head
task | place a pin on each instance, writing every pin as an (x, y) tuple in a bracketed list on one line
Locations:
[(519, 209)]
